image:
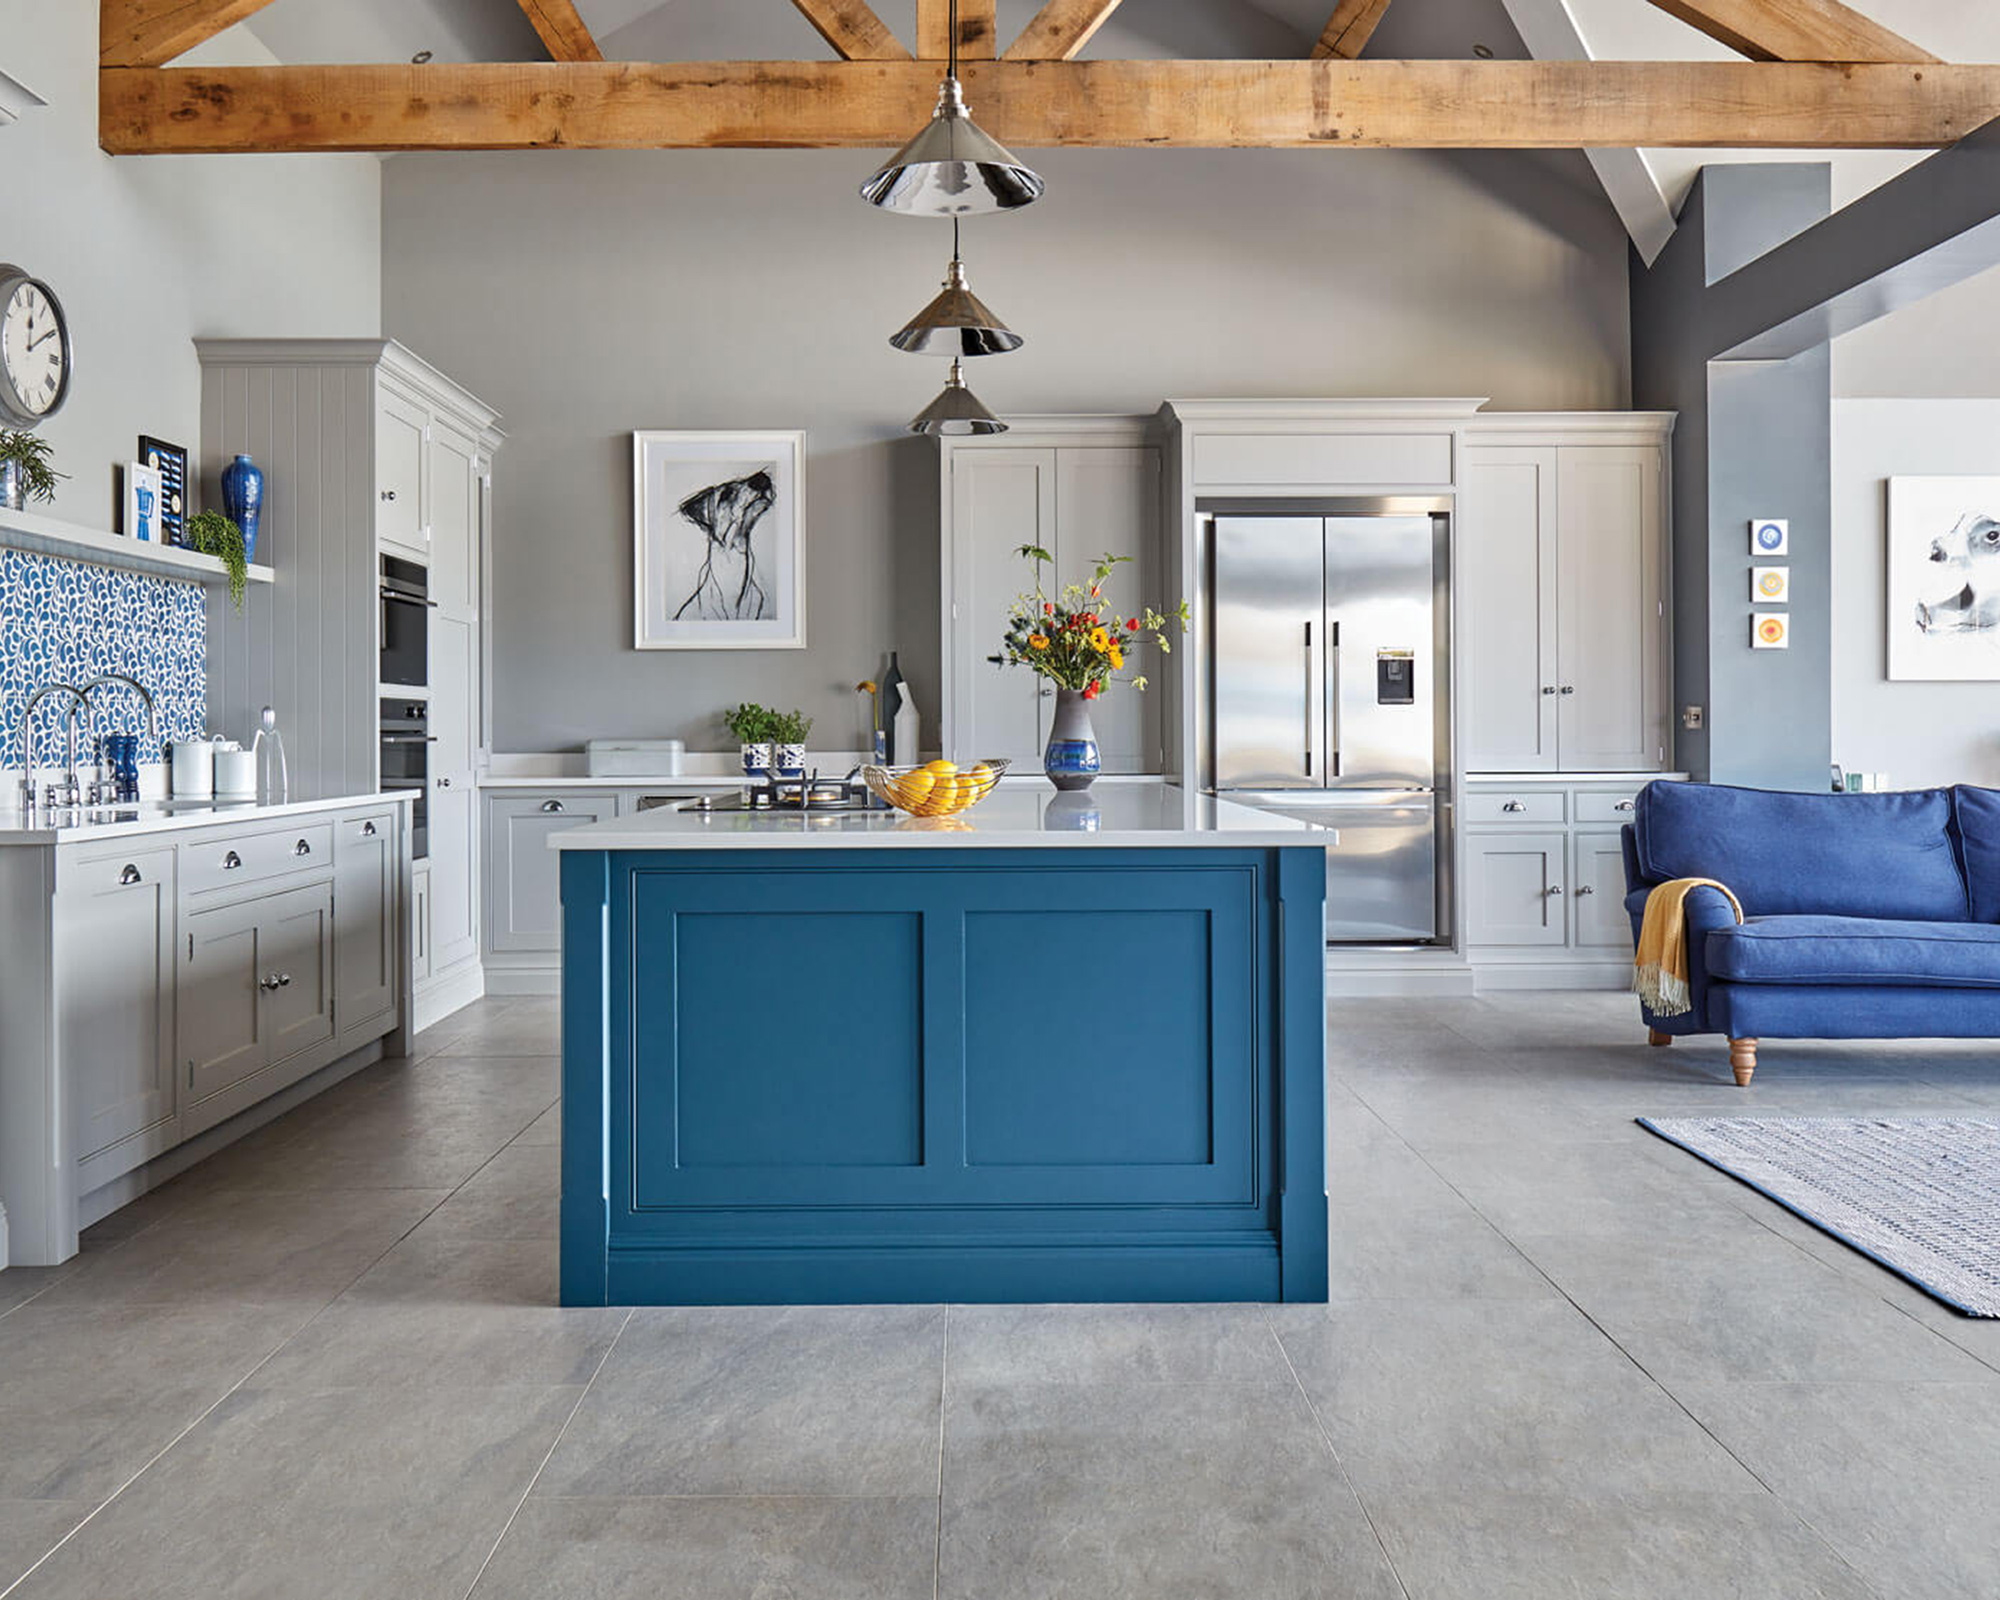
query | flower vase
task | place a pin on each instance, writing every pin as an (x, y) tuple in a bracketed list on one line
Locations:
[(13, 487), (243, 500), (1071, 759)]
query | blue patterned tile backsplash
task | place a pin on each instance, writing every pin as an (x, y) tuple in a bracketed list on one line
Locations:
[(65, 622)]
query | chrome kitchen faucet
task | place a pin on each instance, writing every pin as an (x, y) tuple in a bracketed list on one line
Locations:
[(98, 795), (79, 708)]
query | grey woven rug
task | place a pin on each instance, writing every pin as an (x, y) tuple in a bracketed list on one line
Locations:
[(1921, 1195)]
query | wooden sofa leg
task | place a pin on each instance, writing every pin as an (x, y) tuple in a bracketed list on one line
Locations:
[(1657, 1039), (1743, 1060)]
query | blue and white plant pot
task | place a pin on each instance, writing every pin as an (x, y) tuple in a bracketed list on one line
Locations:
[(1071, 759), (790, 760), (756, 760)]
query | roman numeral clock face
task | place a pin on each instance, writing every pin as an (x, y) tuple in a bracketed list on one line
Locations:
[(34, 349)]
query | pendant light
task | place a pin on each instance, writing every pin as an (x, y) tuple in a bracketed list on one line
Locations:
[(954, 167), (956, 323), (957, 411)]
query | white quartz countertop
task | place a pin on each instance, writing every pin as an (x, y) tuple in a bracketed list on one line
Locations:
[(1128, 815), (169, 816)]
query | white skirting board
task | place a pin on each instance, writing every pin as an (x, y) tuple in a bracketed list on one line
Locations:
[(1355, 974), (1572, 975), (524, 980), (438, 997)]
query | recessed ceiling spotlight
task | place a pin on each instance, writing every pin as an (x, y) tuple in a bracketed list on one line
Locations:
[(420, 59), (1483, 51)]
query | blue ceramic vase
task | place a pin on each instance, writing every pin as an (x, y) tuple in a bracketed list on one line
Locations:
[(243, 500), (1071, 759)]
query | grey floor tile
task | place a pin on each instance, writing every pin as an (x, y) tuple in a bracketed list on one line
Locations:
[(30, 1529), (89, 1395), (1902, 1479), (516, 1195), (545, 1129), (282, 1493), (1101, 1344), (449, 1311), (811, 1400), (246, 1245), (525, 1032), (19, 1285), (1618, 1187), (703, 1549), (1140, 1490), (1488, 1545), (1440, 1395), (1747, 1303), (1385, 1251)]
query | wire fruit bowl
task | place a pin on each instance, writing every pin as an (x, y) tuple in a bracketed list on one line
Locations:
[(938, 789)]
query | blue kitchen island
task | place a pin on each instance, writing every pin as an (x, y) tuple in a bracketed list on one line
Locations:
[(1057, 1048)]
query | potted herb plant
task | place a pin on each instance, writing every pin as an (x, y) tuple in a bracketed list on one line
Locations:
[(25, 473), (1076, 641), (752, 726), (789, 731), (213, 534)]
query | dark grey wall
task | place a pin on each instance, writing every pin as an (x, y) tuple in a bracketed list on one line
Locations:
[(1754, 440), (586, 294)]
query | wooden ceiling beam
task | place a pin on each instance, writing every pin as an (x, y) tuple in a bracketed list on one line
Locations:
[(150, 33), (1349, 29), (1794, 30), (565, 34), (1061, 29), (872, 104), (853, 29), (976, 30)]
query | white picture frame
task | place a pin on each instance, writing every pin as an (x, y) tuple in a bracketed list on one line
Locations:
[(1771, 586), (1770, 630), (1943, 589), (1770, 536), (142, 503), (718, 540)]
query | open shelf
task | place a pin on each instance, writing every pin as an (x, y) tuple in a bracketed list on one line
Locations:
[(24, 530)]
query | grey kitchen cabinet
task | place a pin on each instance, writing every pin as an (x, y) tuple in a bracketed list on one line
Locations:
[(1562, 625), (1514, 891), (523, 902), (367, 963), (295, 944), (420, 922), (401, 526), (1597, 905), (114, 921), (1079, 488), (257, 985)]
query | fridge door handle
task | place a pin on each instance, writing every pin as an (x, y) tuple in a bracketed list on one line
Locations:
[(1333, 699), (1312, 691)]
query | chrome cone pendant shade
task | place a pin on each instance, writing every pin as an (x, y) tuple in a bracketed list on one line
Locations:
[(956, 323), (957, 411), (954, 168)]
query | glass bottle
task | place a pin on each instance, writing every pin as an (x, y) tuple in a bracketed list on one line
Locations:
[(273, 779)]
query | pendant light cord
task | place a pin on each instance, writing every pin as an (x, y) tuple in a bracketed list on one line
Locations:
[(952, 47), (954, 238)]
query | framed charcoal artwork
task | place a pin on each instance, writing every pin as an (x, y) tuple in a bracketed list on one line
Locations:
[(1944, 578), (718, 557)]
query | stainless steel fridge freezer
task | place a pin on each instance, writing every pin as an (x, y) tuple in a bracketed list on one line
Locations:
[(1327, 676)]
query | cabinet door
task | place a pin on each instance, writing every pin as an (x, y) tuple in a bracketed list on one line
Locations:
[(400, 426), (1001, 500), (115, 993), (1609, 530), (1507, 610), (221, 1011), (420, 923), (1514, 889), (1597, 897), (523, 906), (454, 521), (365, 963), (295, 947), (452, 818), (1108, 503)]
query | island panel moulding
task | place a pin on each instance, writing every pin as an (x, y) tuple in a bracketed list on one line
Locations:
[(718, 558)]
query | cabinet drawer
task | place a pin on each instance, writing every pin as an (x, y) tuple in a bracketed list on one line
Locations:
[(1539, 807), (1313, 459), (227, 863), (1606, 805), (134, 867), (362, 832)]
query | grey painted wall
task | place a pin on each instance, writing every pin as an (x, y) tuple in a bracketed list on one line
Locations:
[(587, 294), (1918, 733), (148, 255)]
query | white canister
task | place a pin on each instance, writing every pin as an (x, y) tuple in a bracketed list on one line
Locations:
[(193, 769), (235, 773)]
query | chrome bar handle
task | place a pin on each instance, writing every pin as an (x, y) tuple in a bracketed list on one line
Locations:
[(1333, 699), (1312, 694)]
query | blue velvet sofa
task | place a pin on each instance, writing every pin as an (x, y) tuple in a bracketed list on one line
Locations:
[(1866, 916)]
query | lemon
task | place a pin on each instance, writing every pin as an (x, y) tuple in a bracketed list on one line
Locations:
[(942, 769), (914, 788)]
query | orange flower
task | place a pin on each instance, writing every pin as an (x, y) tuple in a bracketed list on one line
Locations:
[(1037, 641)]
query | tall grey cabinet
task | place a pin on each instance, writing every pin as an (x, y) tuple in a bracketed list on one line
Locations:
[(367, 450), (1080, 488)]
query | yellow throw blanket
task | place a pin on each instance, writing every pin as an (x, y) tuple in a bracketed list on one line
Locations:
[(1660, 968)]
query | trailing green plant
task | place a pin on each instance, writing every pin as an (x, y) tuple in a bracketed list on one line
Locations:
[(751, 723), (790, 727), (213, 534), (31, 454)]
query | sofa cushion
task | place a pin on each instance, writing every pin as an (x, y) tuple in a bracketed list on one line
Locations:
[(1856, 950), (1840, 855), (1979, 837)]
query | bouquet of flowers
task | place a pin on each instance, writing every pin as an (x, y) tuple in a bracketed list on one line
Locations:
[(1074, 638)]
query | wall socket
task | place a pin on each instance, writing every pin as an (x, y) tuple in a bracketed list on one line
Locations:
[(1692, 718)]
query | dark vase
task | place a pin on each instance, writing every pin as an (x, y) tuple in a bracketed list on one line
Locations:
[(243, 500), (1071, 759), (891, 682)]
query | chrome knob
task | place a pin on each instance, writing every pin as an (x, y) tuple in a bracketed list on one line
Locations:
[(388, 494), (1555, 888), (367, 830), (284, 980), (1548, 688), (552, 806), (1569, 688), (1586, 889), (444, 783), (269, 984)]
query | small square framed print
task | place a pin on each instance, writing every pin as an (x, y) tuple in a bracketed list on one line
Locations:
[(142, 504), (170, 461), (1770, 630), (1770, 536), (1771, 586)]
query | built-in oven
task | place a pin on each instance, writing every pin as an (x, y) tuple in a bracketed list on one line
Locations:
[(406, 762), (406, 613)]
